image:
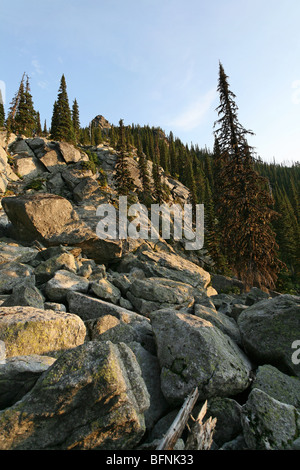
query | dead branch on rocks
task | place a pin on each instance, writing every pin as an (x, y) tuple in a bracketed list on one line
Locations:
[(201, 434), (178, 425)]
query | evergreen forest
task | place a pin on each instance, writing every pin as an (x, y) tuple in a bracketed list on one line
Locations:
[(252, 208)]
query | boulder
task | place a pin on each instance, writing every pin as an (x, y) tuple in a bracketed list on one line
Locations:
[(125, 328), (151, 374), (47, 269), (220, 320), (268, 330), (228, 413), (167, 265), (269, 424), (154, 293), (28, 167), (277, 385), (255, 295), (26, 296), (192, 352), (28, 330), (13, 252), (42, 217), (112, 397), (62, 282), (18, 375), (106, 290), (15, 274), (51, 219), (69, 153), (89, 308)]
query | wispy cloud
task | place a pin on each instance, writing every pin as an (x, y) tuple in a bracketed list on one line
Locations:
[(37, 67), (193, 115), (296, 92)]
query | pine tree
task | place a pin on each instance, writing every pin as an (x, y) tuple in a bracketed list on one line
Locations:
[(123, 179), (156, 175), (143, 169), (2, 112), (75, 119), (61, 124), (244, 201), (45, 130), (38, 124)]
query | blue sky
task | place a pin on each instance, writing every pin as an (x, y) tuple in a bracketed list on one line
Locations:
[(156, 62)]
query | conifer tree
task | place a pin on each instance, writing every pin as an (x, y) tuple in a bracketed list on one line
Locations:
[(244, 202), (158, 191), (75, 119), (22, 115), (143, 169), (2, 112), (38, 124), (123, 179), (61, 124)]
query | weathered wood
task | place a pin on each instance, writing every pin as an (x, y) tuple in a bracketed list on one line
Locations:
[(178, 425), (201, 434)]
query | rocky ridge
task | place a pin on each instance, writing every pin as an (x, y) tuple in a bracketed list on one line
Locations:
[(101, 341)]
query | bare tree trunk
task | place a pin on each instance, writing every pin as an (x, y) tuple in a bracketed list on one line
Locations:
[(178, 425)]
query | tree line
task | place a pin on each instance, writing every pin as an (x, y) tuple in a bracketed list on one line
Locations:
[(251, 207)]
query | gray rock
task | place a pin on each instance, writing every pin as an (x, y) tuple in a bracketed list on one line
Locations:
[(269, 424), (151, 374), (125, 328), (256, 295), (69, 153), (47, 269), (125, 303), (89, 308), (27, 330), (228, 413), (55, 306), (220, 320), (194, 353), (27, 296), (15, 274), (106, 290), (13, 252), (57, 288), (166, 265), (268, 330), (112, 397), (18, 375), (280, 386)]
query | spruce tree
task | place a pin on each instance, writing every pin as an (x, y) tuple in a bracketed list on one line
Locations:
[(123, 179), (244, 201), (143, 169), (156, 175), (2, 112), (61, 124), (75, 119)]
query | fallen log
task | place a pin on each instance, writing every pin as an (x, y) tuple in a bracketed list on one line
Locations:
[(178, 425)]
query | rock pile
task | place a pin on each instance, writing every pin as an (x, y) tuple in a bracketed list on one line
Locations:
[(101, 344)]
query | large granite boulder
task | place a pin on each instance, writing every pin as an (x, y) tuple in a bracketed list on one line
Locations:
[(192, 352), (269, 424), (28, 330), (52, 220), (269, 328), (92, 397), (166, 265), (19, 374)]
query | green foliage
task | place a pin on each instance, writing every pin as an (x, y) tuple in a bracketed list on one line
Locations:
[(61, 123)]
